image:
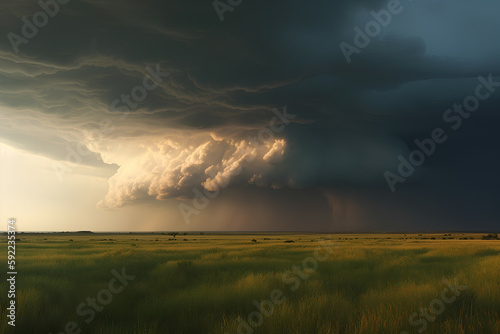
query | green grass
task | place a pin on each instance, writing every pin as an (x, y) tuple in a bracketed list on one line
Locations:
[(369, 284)]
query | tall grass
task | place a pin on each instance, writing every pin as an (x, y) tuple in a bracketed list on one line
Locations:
[(370, 284)]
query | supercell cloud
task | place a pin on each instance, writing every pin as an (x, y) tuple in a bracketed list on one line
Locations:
[(160, 98)]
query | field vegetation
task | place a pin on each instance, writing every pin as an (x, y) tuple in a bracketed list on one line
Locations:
[(197, 284)]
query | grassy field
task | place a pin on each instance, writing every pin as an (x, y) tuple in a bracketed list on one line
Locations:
[(204, 283)]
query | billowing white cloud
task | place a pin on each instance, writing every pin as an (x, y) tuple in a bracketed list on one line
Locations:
[(172, 166)]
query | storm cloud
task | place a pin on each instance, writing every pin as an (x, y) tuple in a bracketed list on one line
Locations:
[(351, 120)]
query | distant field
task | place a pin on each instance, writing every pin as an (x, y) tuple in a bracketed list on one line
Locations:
[(202, 284)]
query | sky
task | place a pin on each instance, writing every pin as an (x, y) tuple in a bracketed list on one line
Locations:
[(250, 115)]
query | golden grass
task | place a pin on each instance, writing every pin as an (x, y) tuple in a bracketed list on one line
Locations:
[(202, 283)]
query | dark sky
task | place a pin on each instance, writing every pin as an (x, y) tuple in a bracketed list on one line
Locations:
[(351, 120)]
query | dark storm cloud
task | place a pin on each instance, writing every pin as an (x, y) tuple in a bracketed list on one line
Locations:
[(353, 120)]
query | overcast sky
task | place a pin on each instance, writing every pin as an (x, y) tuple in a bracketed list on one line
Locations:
[(75, 154)]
